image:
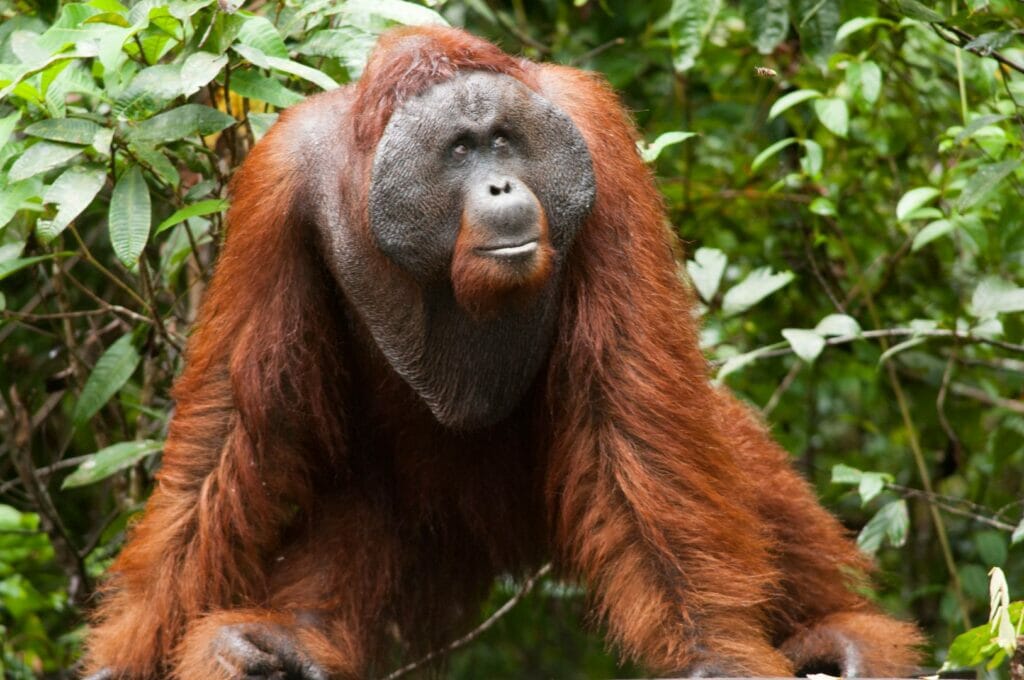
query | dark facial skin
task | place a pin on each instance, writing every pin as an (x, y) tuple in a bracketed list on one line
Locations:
[(478, 188)]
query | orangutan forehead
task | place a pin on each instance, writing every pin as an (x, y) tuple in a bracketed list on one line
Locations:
[(472, 94)]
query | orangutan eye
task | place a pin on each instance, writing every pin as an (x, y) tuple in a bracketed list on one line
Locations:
[(499, 142), (460, 151)]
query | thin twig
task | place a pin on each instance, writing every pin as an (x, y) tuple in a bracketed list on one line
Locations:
[(963, 39), (950, 505), (476, 632), (597, 50)]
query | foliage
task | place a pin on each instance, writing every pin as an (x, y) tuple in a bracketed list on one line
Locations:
[(846, 174)]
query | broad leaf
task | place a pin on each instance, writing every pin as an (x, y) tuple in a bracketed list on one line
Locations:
[(688, 23), (207, 207), (129, 216), (837, 324), (914, 199), (996, 296), (181, 122), (72, 192), (768, 22), (758, 285), (889, 524), (8, 267), (983, 181), (806, 344), (705, 270), (932, 231), (111, 372), (771, 151), (106, 462), (41, 157), (834, 115), (254, 85), (70, 130), (791, 99), (817, 22), (663, 141)]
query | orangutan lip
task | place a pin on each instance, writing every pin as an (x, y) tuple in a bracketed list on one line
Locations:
[(511, 250)]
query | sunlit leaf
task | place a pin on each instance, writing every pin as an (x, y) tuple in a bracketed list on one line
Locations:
[(838, 324), (758, 285), (663, 141), (889, 524), (834, 115), (42, 157), (932, 231), (791, 99), (996, 296), (805, 344), (914, 199), (705, 270), (72, 192)]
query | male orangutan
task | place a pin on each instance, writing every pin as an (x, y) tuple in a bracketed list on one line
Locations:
[(445, 341)]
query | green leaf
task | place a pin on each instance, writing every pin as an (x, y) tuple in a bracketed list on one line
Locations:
[(817, 23), (42, 157), (813, 157), (705, 270), (1018, 534), (688, 24), (112, 371), (737, 362), (7, 125), (199, 69), (309, 73), (772, 150), (871, 484), (983, 181), (845, 474), (213, 205), (870, 81), (70, 130), (900, 347), (858, 24), (72, 192), (834, 115), (932, 231), (791, 99), (651, 153), (912, 9), (914, 199), (348, 43), (889, 524), (822, 206), (996, 296), (758, 285), (263, 35), (13, 197), (181, 122), (106, 462), (407, 13), (254, 85), (977, 124), (129, 216), (8, 267), (837, 325), (768, 22), (806, 344)]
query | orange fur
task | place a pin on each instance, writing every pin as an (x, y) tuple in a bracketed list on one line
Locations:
[(305, 487)]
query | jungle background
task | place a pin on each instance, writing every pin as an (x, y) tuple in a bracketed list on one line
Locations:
[(846, 177)]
